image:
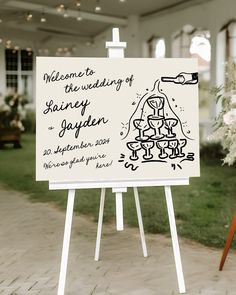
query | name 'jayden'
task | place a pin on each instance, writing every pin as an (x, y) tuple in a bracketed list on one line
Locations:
[(67, 126)]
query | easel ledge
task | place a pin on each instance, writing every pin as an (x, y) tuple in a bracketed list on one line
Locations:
[(56, 185)]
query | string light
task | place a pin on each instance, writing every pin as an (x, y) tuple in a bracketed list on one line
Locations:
[(29, 16), (78, 3), (43, 18), (0, 20), (61, 7), (98, 6), (122, 1), (65, 15), (8, 44), (79, 17)]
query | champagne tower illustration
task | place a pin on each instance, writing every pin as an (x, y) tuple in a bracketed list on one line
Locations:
[(155, 131)]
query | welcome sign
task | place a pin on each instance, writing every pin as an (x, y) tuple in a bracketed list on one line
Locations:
[(102, 119)]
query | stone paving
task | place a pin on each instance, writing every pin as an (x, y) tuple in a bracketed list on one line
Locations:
[(30, 250)]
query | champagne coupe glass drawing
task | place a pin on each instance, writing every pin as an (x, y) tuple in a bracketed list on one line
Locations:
[(162, 144), (147, 146), (173, 146), (156, 123), (134, 146), (156, 103), (169, 124), (141, 125), (182, 143)]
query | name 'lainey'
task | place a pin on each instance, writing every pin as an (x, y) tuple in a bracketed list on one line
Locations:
[(53, 107)]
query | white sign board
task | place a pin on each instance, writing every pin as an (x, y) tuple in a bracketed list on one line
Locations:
[(101, 119)]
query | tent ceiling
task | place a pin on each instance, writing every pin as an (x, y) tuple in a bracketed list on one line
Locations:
[(114, 13)]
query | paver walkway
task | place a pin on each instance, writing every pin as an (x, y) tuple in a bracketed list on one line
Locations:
[(30, 249)]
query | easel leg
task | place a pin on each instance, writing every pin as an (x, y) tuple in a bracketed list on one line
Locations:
[(175, 243), (228, 242), (100, 219), (119, 212), (119, 207), (140, 222), (66, 242)]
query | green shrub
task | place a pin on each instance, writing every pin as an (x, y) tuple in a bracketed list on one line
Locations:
[(30, 122), (212, 151)]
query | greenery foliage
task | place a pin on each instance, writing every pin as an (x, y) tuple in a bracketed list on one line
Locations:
[(225, 126), (29, 121)]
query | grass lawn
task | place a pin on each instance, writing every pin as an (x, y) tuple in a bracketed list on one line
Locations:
[(203, 209)]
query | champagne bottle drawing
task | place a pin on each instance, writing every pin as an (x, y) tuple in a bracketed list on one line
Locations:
[(182, 78)]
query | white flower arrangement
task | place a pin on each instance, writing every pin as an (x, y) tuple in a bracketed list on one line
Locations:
[(225, 126), (12, 111)]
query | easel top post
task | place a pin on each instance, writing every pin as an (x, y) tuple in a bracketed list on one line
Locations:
[(115, 47)]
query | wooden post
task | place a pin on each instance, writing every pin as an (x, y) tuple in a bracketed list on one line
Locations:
[(229, 240)]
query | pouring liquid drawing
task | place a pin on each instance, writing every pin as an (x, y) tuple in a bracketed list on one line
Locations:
[(155, 138), (182, 78)]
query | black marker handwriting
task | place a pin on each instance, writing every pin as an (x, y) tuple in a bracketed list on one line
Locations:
[(68, 126), (57, 76), (53, 107)]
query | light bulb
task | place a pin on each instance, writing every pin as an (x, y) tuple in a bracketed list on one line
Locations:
[(61, 7), (78, 3), (79, 17), (98, 7), (29, 16), (43, 18), (65, 15)]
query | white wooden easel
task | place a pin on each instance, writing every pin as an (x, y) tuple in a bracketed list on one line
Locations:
[(116, 50)]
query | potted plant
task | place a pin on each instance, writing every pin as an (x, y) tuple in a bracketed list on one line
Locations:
[(11, 115)]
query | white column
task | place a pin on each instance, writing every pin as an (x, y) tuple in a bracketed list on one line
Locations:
[(185, 44), (232, 41), (2, 71), (168, 45), (132, 36), (220, 62), (213, 70), (176, 47), (35, 52)]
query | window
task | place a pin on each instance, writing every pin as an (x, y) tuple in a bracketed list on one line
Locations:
[(19, 71)]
